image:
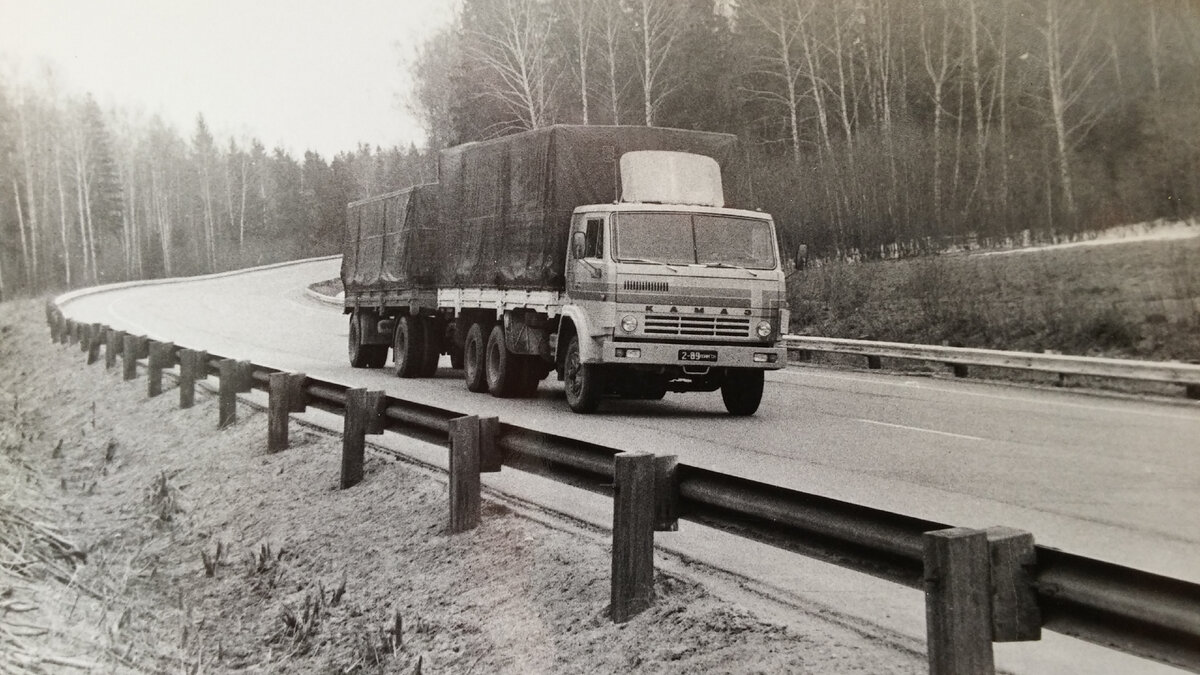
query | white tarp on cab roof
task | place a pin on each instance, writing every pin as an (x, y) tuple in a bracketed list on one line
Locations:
[(667, 177)]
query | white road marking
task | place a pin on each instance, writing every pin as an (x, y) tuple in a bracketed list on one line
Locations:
[(1049, 399), (928, 431)]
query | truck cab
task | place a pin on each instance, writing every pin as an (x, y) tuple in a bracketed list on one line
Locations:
[(668, 297)]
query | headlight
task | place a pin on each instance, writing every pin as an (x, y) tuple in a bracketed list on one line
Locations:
[(629, 323), (763, 329)]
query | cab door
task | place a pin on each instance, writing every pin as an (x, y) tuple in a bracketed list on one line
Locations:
[(589, 275)]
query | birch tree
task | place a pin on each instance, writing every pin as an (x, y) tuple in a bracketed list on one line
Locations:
[(513, 45), (657, 26)]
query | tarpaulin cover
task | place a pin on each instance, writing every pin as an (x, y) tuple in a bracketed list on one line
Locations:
[(390, 241), (506, 204)]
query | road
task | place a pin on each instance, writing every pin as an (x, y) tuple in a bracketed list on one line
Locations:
[(1110, 478)]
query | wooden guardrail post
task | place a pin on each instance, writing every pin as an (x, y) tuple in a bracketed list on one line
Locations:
[(959, 369), (874, 362), (85, 336), (96, 337), (491, 457), (666, 493), (285, 395), (230, 374), (162, 355), (633, 535), (129, 357), (193, 365), (1016, 616), (1192, 391), (958, 614), (465, 464), (364, 415), (112, 344), (64, 331), (52, 321)]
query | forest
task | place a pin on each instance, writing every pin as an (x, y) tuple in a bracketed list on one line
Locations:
[(870, 129)]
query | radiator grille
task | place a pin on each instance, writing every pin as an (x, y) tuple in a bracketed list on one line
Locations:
[(650, 286), (697, 324)]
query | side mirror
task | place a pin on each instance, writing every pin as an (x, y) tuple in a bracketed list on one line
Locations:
[(578, 245)]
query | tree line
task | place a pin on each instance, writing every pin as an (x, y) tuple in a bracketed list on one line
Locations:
[(94, 196), (871, 127)]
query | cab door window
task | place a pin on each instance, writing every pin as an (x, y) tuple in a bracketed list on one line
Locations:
[(593, 246)]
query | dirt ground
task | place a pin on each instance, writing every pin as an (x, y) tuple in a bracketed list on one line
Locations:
[(136, 537)]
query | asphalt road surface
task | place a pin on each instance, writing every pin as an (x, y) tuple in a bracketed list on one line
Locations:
[(1107, 477)]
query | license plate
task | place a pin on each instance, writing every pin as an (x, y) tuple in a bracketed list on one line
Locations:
[(697, 355)]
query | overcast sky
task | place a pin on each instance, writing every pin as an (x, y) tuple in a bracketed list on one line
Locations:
[(297, 73)]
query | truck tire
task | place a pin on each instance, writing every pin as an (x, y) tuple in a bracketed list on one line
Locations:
[(408, 346), (582, 381), (504, 369), (433, 346), (474, 349), (363, 355), (742, 391)]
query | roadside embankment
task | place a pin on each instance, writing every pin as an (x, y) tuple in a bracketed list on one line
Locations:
[(136, 536)]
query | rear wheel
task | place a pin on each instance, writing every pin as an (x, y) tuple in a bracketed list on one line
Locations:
[(408, 346), (582, 381), (363, 355), (742, 391), (504, 369), (474, 370)]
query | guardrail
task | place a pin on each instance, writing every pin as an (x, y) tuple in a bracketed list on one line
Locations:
[(981, 586), (959, 358)]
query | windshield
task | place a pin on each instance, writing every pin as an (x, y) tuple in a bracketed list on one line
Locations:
[(695, 238)]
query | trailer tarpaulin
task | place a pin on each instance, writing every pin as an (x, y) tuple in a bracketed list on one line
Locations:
[(390, 241), (505, 204)]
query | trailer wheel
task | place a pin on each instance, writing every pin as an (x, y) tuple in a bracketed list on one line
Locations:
[(408, 346), (363, 355), (504, 372), (474, 349), (582, 381), (742, 391), (433, 346)]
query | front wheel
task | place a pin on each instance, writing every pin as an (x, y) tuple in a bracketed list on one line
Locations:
[(742, 391), (582, 381)]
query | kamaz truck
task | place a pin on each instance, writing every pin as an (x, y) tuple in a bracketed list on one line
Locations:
[(608, 255)]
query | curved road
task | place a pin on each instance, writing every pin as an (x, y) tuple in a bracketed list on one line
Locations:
[(1106, 477)]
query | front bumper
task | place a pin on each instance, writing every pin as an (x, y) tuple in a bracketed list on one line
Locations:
[(659, 354)]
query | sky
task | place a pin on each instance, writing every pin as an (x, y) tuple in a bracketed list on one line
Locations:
[(299, 74)]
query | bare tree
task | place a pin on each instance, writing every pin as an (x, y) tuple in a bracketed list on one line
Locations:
[(580, 16), (935, 55), (779, 61), (658, 24), (1071, 64), (611, 30), (515, 50)]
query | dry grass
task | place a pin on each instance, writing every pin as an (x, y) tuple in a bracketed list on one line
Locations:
[(1137, 300)]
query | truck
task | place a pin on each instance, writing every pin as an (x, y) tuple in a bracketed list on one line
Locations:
[(605, 254)]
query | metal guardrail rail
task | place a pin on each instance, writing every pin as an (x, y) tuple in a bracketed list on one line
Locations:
[(1126, 609), (1185, 374)]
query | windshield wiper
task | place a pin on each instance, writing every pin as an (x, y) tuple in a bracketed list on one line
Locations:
[(650, 262), (732, 267)]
